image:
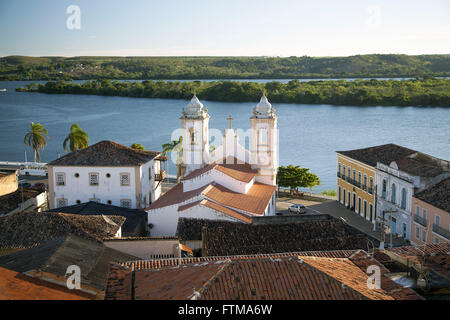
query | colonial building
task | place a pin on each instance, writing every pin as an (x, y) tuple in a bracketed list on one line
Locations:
[(230, 183), (383, 179), (106, 172), (431, 223)]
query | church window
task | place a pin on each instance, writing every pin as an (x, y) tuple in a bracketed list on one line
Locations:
[(263, 136), (192, 135)]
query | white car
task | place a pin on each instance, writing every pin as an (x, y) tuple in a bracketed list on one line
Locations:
[(297, 208)]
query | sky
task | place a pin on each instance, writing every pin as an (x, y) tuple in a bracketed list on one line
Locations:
[(223, 27)]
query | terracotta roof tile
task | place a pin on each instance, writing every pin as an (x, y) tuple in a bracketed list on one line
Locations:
[(254, 201), (229, 212), (283, 276), (106, 153), (25, 230), (11, 201), (17, 286), (175, 195), (438, 195), (385, 154), (230, 166)]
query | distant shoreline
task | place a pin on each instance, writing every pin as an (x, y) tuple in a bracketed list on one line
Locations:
[(413, 92)]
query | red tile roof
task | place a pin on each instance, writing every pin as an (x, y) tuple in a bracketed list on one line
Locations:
[(17, 286), (229, 212), (231, 167), (255, 201), (106, 153), (299, 276)]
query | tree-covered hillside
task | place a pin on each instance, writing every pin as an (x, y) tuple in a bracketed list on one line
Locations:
[(371, 66)]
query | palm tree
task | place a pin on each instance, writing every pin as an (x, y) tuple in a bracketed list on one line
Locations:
[(36, 139), (77, 139), (137, 146), (177, 146)]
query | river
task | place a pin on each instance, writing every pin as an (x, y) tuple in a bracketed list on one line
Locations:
[(309, 134)]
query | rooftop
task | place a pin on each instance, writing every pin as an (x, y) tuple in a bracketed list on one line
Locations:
[(385, 154), (237, 239), (25, 230), (11, 201), (16, 286), (229, 166), (54, 256), (438, 195), (106, 153), (135, 219), (298, 276), (254, 201)]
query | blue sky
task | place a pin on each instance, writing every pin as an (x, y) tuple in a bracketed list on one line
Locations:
[(225, 27)]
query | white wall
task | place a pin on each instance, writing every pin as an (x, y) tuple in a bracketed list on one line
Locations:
[(145, 248), (108, 188), (218, 177)]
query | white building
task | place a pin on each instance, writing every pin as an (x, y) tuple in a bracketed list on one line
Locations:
[(230, 183), (106, 172), (399, 181)]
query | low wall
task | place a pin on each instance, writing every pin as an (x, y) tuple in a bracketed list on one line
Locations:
[(290, 219)]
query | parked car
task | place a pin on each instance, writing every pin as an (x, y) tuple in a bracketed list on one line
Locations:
[(24, 185), (297, 208)]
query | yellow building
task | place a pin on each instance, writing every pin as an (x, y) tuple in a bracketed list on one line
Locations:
[(356, 185)]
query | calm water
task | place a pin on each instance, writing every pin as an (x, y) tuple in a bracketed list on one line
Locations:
[(309, 134)]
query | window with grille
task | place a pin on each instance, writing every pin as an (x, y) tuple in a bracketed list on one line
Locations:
[(61, 203), (125, 203), (60, 179), (93, 179), (124, 179)]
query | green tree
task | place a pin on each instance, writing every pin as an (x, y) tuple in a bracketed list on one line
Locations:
[(294, 177), (137, 146), (175, 145), (36, 139), (77, 139)]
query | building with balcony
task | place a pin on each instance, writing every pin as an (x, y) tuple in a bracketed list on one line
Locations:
[(106, 172), (384, 178), (398, 181), (431, 223)]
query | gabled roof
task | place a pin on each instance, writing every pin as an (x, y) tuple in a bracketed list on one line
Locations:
[(313, 235), (437, 196), (25, 230), (219, 208), (385, 154), (135, 219), (229, 166), (106, 154), (277, 277), (255, 201), (16, 286), (54, 256)]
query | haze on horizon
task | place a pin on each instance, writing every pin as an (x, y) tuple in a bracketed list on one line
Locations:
[(225, 28)]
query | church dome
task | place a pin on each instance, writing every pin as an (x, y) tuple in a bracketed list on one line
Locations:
[(195, 107), (263, 108)]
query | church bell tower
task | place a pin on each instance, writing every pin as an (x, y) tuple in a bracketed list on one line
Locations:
[(194, 123), (264, 141)]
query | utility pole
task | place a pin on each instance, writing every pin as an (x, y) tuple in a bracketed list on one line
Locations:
[(383, 234)]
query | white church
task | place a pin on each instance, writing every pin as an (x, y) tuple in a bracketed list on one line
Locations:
[(229, 183)]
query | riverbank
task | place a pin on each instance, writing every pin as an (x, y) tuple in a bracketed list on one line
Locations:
[(412, 92)]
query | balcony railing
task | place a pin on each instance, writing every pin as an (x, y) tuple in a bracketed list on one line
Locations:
[(371, 190), (420, 220), (160, 176), (441, 231), (339, 174), (364, 187)]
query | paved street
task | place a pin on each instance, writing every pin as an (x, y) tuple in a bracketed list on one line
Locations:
[(335, 209)]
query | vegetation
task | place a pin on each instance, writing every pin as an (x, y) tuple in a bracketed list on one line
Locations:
[(77, 139), (294, 177), (359, 66), (36, 139), (137, 146), (414, 92)]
